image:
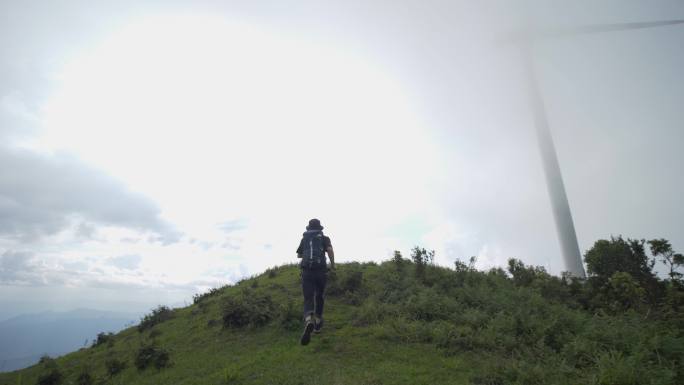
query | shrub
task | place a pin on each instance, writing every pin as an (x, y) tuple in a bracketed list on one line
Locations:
[(456, 340), (158, 315), (50, 377), (500, 372), (213, 292), (104, 338), (372, 312), (85, 378), (399, 261), (421, 258), (391, 286), (473, 317), (154, 333), (46, 360), (51, 374), (428, 305), (409, 331), (151, 354), (616, 369), (347, 280), (663, 249), (290, 316), (248, 308), (114, 366), (608, 257), (624, 292), (462, 267), (524, 275)]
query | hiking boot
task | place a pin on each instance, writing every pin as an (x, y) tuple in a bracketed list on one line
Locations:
[(318, 325), (308, 328)]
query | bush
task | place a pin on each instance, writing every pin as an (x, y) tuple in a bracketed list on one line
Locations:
[(624, 292), (421, 258), (51, 374), (114, 366), (373, 312), (213, 292), (151, 354), (248, 308), (47, 360), (154, 333), (290, 316), (158, 315), (346, 281), (408, 331), (399, 261), (104, 338), (608, 257), (50, 377), (85, 378), (457, 340), (525, 275), (616, 369), (428, 305)]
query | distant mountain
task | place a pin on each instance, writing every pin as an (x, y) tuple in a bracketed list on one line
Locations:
[(25, 338)]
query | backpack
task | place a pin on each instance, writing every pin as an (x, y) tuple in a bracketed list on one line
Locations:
[(313, 251)]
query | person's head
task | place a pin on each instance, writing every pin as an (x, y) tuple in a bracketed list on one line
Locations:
[(314, 224)]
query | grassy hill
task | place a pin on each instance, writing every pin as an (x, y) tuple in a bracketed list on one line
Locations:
[(393, 323)]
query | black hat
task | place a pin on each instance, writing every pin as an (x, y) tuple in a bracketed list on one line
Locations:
[(314, 224)]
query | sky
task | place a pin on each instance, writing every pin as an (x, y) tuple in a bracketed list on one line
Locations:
[(150, 150)]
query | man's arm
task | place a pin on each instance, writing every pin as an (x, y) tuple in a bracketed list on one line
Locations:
[(331, 255)]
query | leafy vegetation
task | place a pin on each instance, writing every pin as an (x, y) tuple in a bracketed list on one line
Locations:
[(407, 321), (151, 355), (158, 315), (51, 374), (199, 298), (114, 366), (104, 338), (85, 378), (250, 307)]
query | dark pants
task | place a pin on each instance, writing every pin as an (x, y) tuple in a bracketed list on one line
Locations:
[(313, 286)]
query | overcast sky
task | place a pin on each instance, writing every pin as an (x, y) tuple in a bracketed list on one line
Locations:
[(150, 150)]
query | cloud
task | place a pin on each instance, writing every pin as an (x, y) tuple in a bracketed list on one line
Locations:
[(127, 262), (41, 195), (28, 269), (24, 268), (14, 260), (18, 268), (233, 225)]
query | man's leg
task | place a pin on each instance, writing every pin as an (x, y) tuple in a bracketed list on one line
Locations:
[(320, 298), (308, 288)]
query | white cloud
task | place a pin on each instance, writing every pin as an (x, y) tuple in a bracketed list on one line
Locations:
[(405, 128), (127, 262)]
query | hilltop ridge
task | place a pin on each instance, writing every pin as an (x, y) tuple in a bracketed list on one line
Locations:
[(398, 322)]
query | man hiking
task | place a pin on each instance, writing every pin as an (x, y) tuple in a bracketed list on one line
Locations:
[(311, 251)]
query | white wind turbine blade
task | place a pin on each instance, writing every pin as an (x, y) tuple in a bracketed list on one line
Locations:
[(559, 201)]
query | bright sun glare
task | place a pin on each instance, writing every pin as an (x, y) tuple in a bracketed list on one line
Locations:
[(217, 120)]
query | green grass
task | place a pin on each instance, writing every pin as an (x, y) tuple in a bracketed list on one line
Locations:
[(390, 327)]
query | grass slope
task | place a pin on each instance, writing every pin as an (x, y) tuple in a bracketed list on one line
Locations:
[(385, 324)]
